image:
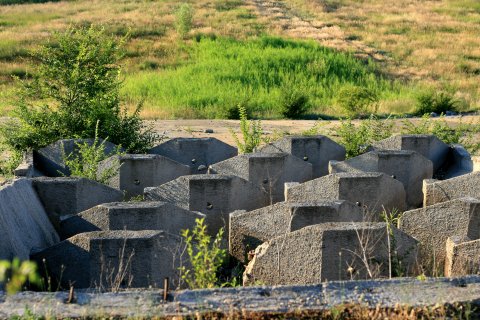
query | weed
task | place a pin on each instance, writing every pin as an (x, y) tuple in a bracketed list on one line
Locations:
[(251, 133), (358, 100), (438, 102), (184, 19), (294, 101), (16, 274)]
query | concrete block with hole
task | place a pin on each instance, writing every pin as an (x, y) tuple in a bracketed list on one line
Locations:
[(408, 167), (372, 190), (197, 153), (462, 257), (268, 171), (436, 191), (24, 224), (317, 150), (145, 215), (113, 259), (134, 172), (433, 225), (215, 195), (329, 251), (50, 160), (64, 196), (250, 229)]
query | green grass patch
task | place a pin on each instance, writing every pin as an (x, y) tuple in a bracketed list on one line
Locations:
[(261, 74)]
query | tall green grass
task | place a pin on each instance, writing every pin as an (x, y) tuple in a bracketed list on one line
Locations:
[(223, 73)]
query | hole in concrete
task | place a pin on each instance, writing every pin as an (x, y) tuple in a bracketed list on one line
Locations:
[(305, 158), (194, 160), (265, 181), (136, 182), (209, 206), (394, 176), (359, 204)]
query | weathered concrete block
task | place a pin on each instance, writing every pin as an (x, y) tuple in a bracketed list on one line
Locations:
[(268, 171), (373, 190), (198, 153), (148, 215), (250, 229), (49, 160), (408, 167), (459, 162), (432, 225), (114, 259), (328, 251), (215, 195), (24, 224), (462, 257), (317, 150), (435, 191), (138, 171), (64, 196)]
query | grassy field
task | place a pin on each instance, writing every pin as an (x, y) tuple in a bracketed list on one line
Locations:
[(230, 56)]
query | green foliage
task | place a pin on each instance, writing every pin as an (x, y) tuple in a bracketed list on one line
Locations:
[(251, 133), (256, 74), (76, 84), (85, 162), (357, 100), (438, 102), (184, 19), (391, 219), (205, 257), (15, 274), (358, 138)]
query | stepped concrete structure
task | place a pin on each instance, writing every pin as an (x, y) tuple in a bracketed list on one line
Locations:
[(462, 257), (436, 191)]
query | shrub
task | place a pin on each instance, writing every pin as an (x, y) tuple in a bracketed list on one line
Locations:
[(294, 101), (16, 274), (438, 102), (205, 257), (184, 19), (76, 84), (357, 100), (251, 133)]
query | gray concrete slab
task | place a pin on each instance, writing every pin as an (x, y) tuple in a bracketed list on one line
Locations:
[(462, 257), (437, 191)]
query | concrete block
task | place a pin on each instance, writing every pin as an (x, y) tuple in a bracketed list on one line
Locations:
[(317, 150), (462, 257), (49, 160), (250, 229), (214, 195), (108, 259), (65, 196), (268, 171), (24, 224), (408, 167), (436, 191), (197, 153), (372, 190), (432, 225), (476, 163), (459, 162), (148, 215), (328, 251), (138, 171)]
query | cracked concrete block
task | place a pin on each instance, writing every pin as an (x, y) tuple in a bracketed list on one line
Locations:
[(214, 195), (138, 171), (148, 215), (373, 190), (328, 251), (317, 150), (197, 153), (408, 167), (462, 257), (432, 225), (49, 160), (24, 224), (436, 191), (108, 259), (268, 171), (65, 196), (250, 229)]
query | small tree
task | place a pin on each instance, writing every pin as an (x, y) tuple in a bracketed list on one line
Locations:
[(184, 19)]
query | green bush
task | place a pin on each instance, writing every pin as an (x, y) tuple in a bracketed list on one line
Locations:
[(76, 84), (438, 102), (357, 100), (184, 19), (251, 133), (294, 101), (15, 274)]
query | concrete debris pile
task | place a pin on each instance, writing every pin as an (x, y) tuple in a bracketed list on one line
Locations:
[(296, 212)]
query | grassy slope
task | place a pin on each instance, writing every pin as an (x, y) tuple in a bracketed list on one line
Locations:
[(433, 42)]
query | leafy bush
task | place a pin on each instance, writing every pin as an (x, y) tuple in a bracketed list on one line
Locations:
[(16, 274), (76, 84), (294, 101), (205, 256), (358, 100), (358, 139), (184, 19), (251, 133), (438, 102)]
